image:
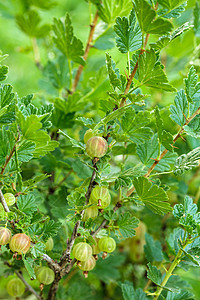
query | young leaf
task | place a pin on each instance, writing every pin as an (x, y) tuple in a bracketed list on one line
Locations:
[(174, 13), (146, 18), (127, 223), (186, 162), (25, 151), (28, 263), (154, 274), (66, 42), (153, 197), (151, 72), (182, 295), (153, 249), (129, 36)]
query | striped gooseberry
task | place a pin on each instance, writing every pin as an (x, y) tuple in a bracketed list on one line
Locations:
[(90, 212), (5, 236), (10, 199), (100, 195), (82, 251), (45, 275), (20, 243), (49, 244), (96, 146), (15, 287), (87, 265), (107, 244)]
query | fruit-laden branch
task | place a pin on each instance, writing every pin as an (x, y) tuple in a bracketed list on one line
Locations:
[(87, 49), (165, 151), (52, 263), (25, 282), (3, 201)]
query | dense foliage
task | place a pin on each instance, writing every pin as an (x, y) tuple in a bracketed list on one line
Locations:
[(99, 168)]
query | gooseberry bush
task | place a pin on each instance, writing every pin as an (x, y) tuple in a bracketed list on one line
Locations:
[(99, 169)]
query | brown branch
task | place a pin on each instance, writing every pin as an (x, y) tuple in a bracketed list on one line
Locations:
[(87, 49), (165, 151)]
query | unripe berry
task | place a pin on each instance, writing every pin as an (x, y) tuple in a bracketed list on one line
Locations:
[(82, 251), (101, 196), (49, 244), (87, 265), (88, 134), (20, 243), (107, 244), (10, 199), (5, 236), (96, 146), (15, 287), (90, 212), (45, 275)]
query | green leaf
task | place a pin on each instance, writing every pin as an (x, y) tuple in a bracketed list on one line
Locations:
[(114, 80), (175, 13), (129, 293), (153, 197), (134, 126), (188, 208), (124, 178), (149, 151), (151, 72), (186, 162), (50, 229), (7, 102), (165, 137), (108, 10), (129, 36), (191, 85), (66, 42), (127, 223), (182, 295), (179, 111), (3, 72), (28, 263), (153, 249), (170, 4), (25, 151), (146, 17), (113, 115), (29, 23), (154, 274), (27, 203), (74, 143)]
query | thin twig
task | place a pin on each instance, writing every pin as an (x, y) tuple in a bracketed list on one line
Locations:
[(28, 285), (10, 155), (87, 49), (36, 53)]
